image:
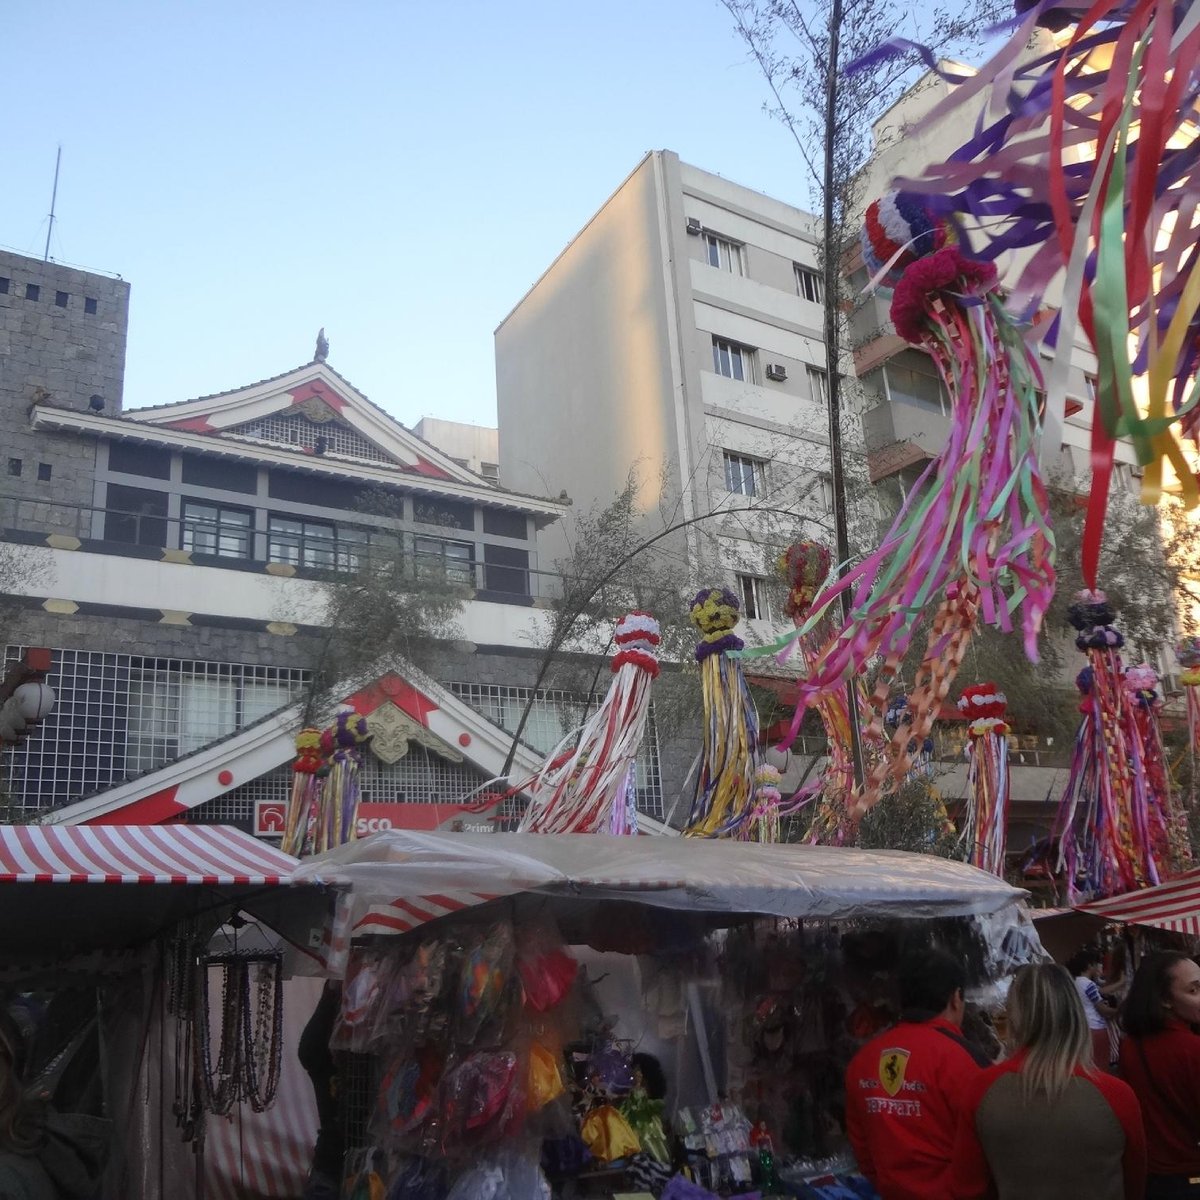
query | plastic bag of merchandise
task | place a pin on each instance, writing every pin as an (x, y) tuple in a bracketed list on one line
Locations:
[(419, 1179), (482, 1100), (408, 1091), (361, 996), (488, 987), (505, 1175), (546, 968)]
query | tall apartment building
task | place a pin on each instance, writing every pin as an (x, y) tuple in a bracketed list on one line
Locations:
[(678, 335), (177, 560)]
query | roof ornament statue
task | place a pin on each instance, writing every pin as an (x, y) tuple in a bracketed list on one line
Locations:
[(322, 351)]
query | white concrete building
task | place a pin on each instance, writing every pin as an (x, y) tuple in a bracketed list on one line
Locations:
[(475, 447), (681, 328)]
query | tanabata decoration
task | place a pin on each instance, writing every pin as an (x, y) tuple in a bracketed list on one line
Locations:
[(1188, 654), (1168, 826), (986, 823), (1084, 161), (972, 536), (1111, 826), (341, 744), (588, 790), (724, 797), (763, 825), (308, 773), (805, 567)]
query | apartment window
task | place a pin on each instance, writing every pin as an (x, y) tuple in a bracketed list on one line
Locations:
[(1093, 386), (753, 591), (215, 529), (723, 254), (44, 472), (4, 284), (61, 299), (825, 491), (818, 385), (733, 360), (14, 466), (745, 476), (318, 545), (440, 558), (33, 291), (89, 306), (808, 284)]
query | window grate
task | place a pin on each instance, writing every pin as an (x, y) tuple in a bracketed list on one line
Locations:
[(119, 715), (556, 713), (298, 430)]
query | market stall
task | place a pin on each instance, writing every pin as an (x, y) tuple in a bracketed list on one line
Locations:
[(577, 1015), (92, 913)]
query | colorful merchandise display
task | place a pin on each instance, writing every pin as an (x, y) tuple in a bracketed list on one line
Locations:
[(592, 788), (985, 826), (308, 774), (724, 800), (1113, 826), (1084, 161), (1188, 654), (483, 1057)]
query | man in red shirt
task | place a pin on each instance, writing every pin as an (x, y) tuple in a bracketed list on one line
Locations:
[(903, 1088)]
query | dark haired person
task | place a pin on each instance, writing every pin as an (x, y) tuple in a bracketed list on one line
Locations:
[(44, 1155), (1085, 967), (1046, 1123), (1160, 1059), (904, 1087)]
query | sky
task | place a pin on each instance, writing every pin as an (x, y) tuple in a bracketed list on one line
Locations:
[(398, 173)]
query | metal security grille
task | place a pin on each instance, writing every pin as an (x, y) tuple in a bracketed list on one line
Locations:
[(420, 777), (555, 714), (119, 715), (298, 430)]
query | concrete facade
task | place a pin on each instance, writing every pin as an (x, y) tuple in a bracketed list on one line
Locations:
[(621, 357), (475, 446)]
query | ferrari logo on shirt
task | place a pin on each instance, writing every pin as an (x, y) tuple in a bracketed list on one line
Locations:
[(891, 1069)]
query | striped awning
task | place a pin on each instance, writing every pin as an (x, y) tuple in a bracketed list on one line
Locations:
[(1174, 905), (197, 855)]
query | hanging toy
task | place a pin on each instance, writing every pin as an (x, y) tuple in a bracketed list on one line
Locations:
[(972, 536), (342, 744), (308, 773), (724, 796), (1084, 162), (985, 826), (1106, 815), (588, 790)]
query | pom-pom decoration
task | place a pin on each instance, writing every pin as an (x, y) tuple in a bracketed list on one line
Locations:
[(898, 229), (1084, 163), (805, 567), (592, 787), (985, 823), (304, 808), (1116, 825), (763, 825), (338, 819), (723, 800)]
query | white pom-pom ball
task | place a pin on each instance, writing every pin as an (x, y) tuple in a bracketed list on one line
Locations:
[(35, 701)]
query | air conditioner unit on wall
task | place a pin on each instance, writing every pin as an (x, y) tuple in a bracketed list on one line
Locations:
[(777, 372), (694, 226)]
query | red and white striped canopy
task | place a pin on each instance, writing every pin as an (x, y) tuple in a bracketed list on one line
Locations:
[(1173, 905), (200, 855)]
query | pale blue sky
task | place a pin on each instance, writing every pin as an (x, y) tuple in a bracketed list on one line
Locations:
[(397, 172)]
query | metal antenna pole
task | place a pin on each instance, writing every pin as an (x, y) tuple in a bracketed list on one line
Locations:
[(53, 203)]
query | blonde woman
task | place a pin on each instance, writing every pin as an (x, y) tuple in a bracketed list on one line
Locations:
[(1046, 1124)]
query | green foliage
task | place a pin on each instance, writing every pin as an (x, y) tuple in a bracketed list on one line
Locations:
[(912, 818)]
